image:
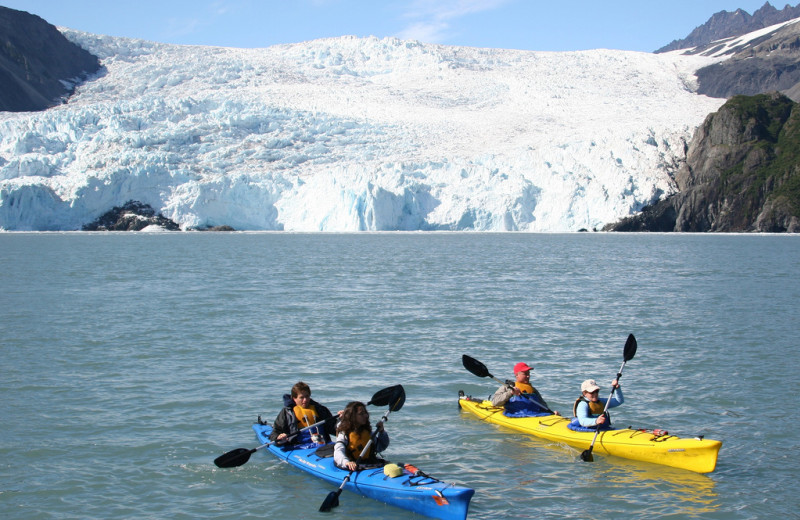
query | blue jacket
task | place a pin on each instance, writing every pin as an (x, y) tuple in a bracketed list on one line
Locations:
[(588, 420)]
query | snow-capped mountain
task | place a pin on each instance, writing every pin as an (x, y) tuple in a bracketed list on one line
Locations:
[(352, 134)]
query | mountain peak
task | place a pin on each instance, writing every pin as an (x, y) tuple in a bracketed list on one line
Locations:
[(726, 24)]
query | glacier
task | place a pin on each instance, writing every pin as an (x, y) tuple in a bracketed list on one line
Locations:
[(354, 134)]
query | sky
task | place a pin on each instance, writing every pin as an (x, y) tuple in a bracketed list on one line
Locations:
[(539, 25)]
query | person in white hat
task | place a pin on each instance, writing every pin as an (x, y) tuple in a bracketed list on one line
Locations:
[(589, 407), (521, 399)]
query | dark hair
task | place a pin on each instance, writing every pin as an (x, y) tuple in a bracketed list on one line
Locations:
[(347, 423), (300, 387)]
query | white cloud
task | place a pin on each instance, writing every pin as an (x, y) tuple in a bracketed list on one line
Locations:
[(431, 20), (179, 27), (430, 32)]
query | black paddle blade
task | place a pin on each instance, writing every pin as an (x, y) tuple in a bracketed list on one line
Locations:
[(630, 348), (398, 400), (331, 501), (233, 458), (586, 456), (388, 396), (475, 366)]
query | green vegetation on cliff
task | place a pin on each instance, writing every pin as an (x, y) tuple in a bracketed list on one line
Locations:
[(742, 173), (772, 123)]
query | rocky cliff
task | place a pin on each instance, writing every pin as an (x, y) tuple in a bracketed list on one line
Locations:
[(39, 67), (766, 64), (742, 173)]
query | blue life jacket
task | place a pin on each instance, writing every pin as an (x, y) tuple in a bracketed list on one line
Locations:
[(519, 406), (575, 425)]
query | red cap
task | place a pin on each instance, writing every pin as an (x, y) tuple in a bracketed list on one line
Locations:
[(521, 367)]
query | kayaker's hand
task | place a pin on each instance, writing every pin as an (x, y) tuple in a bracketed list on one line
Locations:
[(557, 413), (516, 391), (281, 438), (615, 384), (351, 466), (601, 420), (379, 427)]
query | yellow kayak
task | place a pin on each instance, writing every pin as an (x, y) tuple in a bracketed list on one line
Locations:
[(694, 454)]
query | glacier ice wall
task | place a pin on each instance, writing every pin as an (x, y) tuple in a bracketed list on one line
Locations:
[(351, 134)]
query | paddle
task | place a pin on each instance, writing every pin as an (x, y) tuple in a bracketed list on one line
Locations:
[(627, 354), (394, 397), (240, 456), (480, 370)]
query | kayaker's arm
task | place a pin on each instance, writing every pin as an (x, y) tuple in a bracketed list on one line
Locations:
[(617, 399), (381, 441), (340, 458), (582, 413), (281, 426), (502, 395)]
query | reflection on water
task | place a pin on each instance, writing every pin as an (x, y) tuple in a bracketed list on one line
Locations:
[(688, 493)]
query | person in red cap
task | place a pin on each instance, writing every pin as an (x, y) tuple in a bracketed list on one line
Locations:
[(521, 399)]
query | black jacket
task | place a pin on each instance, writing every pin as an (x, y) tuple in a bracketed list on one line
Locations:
[(286, 421)]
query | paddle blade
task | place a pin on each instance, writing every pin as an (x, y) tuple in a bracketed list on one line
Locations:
[(630, 348), (475, 366), (389, 396), (586, 456), (233, 458), (398, 400), (331, 501)]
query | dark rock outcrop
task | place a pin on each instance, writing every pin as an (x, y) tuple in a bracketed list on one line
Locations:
[(39, 67), (217, 228), (132, 216), (742, 173), (726, 24)]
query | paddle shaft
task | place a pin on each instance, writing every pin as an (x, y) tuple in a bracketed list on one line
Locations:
[(240, 456), (586, 455), (529, 397), (292, 436)]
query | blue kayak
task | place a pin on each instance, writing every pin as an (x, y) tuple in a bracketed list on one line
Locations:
[(417, 491)]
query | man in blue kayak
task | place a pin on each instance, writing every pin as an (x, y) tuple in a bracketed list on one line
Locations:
[(589, 408), (521, 399), (300, 411)]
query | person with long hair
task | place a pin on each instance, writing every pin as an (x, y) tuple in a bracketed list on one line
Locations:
[(353, 434)]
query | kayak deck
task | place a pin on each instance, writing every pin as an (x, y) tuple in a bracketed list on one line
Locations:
[(417, 492), (693, 454)]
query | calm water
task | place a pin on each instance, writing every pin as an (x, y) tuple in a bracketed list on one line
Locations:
[(130, 361)]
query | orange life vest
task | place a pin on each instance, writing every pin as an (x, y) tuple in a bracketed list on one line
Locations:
[(305, 416), (356, 443), (595, 407), (525, 388)]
